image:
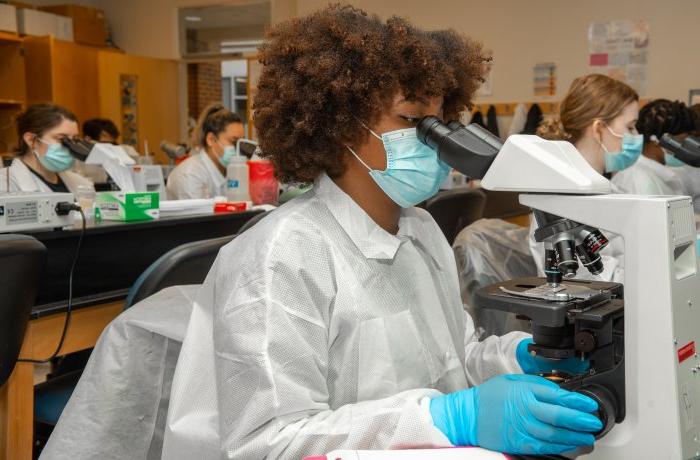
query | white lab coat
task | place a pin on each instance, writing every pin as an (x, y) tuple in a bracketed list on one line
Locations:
[(196, 177), (648, 177), (23, 180), (690, 180), (317, 330)]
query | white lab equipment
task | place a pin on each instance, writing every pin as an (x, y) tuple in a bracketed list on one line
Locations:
[(661, 387), (237, 179), (148, 178), (32, 211)]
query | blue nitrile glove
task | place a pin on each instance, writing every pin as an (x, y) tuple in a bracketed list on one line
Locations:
[(517, 414), (537, 364)]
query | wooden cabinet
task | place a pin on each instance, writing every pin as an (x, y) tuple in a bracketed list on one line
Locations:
[(86, 80), (157, 98), (64, 73), (12, 88)]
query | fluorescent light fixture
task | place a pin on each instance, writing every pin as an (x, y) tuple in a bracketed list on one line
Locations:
[(193, 18)]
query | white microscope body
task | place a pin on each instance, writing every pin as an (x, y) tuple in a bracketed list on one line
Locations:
[(661, 291)]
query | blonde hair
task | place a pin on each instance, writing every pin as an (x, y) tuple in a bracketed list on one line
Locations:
[(590, 98)]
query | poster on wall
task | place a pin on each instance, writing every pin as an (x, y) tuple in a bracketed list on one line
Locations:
[(620, 49), (544, 79), (130, 130)]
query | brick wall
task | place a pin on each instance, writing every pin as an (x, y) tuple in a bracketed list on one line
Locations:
[(203, 86)]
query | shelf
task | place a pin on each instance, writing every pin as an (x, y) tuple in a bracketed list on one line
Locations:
[(9, 37), (10, 102)]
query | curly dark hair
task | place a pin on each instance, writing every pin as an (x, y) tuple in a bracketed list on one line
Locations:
[(663, 116), (327, 73)]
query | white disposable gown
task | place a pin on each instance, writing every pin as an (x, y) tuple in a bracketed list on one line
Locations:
[(690, 180), (648, 177), (317, 330), (119, 407), (196, 177), (21, 179)]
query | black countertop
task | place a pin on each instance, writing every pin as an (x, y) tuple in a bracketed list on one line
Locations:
[(114, 254)]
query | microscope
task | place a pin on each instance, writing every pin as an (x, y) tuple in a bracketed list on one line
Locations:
[(685, 149), (641, 340)]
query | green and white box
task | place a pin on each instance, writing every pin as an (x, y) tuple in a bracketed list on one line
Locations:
[(127, 206)]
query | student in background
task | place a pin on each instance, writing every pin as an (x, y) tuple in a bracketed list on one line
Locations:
[(100, 130), (43, 163), (663, 116), (203, 174)]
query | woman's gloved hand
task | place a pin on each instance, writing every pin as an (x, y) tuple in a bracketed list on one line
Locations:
[(517, 414), (537, 364)]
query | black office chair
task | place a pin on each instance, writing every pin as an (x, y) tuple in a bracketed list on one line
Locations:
[(253, 220), (455, 209), (188, 263), (22, 258)]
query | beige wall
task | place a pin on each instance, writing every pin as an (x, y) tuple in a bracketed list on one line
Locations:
[(521, 33), (150, 27)]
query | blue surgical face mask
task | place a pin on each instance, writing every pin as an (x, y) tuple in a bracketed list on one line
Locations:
[(632, 146), (229, 152), (57, 157), (413, 170)]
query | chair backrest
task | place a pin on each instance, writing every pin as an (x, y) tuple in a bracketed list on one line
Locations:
[(252, 221), (22, 259), (455, 209), (188, 263)]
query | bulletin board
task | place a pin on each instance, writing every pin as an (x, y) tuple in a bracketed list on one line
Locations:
[(620, 50), (129, 104)]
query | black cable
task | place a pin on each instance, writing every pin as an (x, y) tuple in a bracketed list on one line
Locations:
[(70, 293)]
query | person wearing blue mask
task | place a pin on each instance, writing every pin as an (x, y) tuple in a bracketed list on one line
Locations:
[(663, 116), (203, 174), (599, 115), (336, 321), (43, 163)]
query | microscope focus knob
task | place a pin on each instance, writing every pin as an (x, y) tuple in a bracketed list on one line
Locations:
[(584, 341), (607, 406)]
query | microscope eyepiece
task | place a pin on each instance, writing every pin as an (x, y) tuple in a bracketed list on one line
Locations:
[(468, 149)]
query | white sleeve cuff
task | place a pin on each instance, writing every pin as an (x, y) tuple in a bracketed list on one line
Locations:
[(437, 434)]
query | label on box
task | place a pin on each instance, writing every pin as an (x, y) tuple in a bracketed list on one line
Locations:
[(686, 351), (128, 206)]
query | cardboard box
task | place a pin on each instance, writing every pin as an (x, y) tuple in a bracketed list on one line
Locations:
[(89, 24), (127, 206), (8, 18), (34, 22)]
